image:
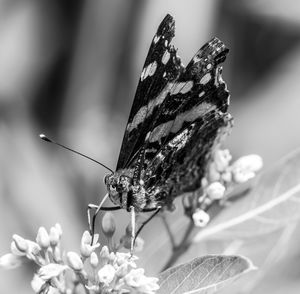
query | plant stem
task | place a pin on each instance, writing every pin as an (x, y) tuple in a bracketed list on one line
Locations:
[(168, 229), (181, 248)]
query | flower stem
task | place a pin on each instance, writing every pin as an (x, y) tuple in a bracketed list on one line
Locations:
[(181, 248)]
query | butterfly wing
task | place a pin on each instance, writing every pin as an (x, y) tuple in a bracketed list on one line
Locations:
[(181, 164), (191, 122), (161, 68)]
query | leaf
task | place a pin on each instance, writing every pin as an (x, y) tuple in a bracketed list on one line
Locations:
[(204, 274), (273, 202)]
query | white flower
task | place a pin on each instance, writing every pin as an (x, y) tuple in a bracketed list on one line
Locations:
[(215, 191), (138, 281), (14, 249), (37, 283), (55, 234), (33, 250), (58, 229), (10, 261), (200, 218), (94, 261), (104, 253), (222, 159), (126, 258), (51, 270), (20, 243), (74, 261), (42, 238), (106, 274), (245, 168), (86, 248)]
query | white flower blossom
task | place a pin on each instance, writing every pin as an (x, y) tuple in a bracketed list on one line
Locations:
[(74, 261), (222, 159), (86, 248), (138, 281), (200, 218), (215, 191), (94, 261), (42, 238), (51, 270), (37, 283), (20, 243), (106, 274), (245, 168)]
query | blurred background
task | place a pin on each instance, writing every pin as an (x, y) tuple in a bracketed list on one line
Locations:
[(69, 69)]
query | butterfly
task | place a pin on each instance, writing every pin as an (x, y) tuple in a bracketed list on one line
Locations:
[(178, 118)]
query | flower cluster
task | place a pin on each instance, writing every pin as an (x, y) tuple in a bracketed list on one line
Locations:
[(64, 272), (222, 175)]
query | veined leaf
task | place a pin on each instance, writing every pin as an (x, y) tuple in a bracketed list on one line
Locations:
[(273, 202), (203, 275)]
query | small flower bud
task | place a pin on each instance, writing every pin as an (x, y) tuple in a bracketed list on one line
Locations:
[(245, 167), (21, 243), (104, 253), (252, 162), (222, 159), (14, 250), (106, 274), (51, 270), (201, 218), (215, 191), (10, 261), (74, 261), (54, 236), (108, 224), (42, 238), (94, 261), (58, 229), (85, 246)]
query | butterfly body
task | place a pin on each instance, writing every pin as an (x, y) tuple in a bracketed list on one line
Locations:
[(178, 118)]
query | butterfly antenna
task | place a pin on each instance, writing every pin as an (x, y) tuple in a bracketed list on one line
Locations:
[(45, 138)]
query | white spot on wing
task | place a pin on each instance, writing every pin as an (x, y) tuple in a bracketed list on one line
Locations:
[(191, 115), (165, 58), (201, 94), (146, 111), (187, 87), (160, 131), (156, 39), (149, 70), (152, 68), (205, 79)]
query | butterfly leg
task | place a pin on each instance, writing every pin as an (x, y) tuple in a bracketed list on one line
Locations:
[(97, 208)]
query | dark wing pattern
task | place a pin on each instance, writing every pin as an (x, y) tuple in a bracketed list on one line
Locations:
[(161, 68), (181, 164), (190, 123), (197, 91)]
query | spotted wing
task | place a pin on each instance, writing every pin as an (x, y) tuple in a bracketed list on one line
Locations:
[(197, 92), (182, 162), (161, 68)]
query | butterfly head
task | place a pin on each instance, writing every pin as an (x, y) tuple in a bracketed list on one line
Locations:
[(123, 192)]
